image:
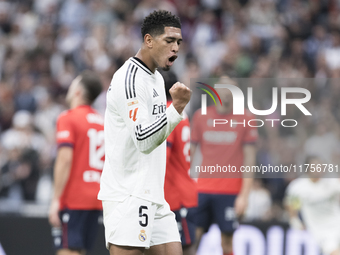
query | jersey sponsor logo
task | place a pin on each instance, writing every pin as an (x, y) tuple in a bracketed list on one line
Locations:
[(91, 176), (130, 76), (158, 109), (133, 114), (220, 136), (95, 118), (63, 134), (142, 236), (155, 94)]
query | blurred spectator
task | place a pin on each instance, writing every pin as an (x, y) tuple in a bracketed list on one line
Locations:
[(5, 24), (262, 18), (24, 99), (20, 174), (74, 15), (46, 116), (318, 41), (7, 107), (67, 41), (332, 53), (22, 134)]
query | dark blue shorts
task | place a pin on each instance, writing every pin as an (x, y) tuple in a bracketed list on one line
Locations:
[(185, 226), (78, 231), (215, 208)]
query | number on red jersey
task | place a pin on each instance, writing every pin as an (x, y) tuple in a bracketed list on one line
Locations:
[(96, 148)]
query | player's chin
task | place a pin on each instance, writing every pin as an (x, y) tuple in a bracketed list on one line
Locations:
[(165, 68), (168, 64)]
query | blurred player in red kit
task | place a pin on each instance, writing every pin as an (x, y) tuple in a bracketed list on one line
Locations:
[(179, 189), (222, 197), (74, 209)]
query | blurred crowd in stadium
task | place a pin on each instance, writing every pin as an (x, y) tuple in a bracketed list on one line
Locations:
[(44, 44)]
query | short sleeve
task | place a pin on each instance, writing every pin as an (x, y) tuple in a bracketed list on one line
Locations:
[(65, 131)]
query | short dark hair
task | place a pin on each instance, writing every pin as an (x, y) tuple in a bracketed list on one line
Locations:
[(309, 159), (92, 85), (156, 21)]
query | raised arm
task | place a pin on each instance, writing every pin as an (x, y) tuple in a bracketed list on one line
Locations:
[(148, 135)]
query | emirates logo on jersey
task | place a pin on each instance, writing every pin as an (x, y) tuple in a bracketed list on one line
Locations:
[(158, 109)]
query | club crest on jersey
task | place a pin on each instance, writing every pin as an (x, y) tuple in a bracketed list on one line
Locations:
[(142, 236)]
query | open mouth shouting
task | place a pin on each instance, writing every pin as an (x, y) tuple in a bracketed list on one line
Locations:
[(171, 60)]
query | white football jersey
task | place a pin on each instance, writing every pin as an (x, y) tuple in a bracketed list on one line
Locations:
[(319, 203), (137, 123)]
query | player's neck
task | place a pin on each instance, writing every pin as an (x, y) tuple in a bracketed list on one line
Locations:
[(76, 103), (146, 58)]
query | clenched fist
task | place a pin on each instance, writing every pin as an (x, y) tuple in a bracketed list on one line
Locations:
[(180, 96)]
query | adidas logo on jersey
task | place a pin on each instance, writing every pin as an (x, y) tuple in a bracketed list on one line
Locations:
[(155, 94)]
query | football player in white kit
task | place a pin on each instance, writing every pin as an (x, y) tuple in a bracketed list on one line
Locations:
[(318, 201), (137, 218)]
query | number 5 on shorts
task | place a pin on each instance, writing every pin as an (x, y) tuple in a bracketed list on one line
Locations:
[(141, 214)]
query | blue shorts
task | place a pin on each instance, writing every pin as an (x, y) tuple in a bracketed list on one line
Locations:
[(216, 208), (78, 231), (186, 226)]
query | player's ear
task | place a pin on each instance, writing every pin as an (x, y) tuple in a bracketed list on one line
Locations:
[(148, 40), (80, 91)]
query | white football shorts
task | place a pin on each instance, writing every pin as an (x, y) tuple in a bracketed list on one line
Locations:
[(328, 240), (139, 223)]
